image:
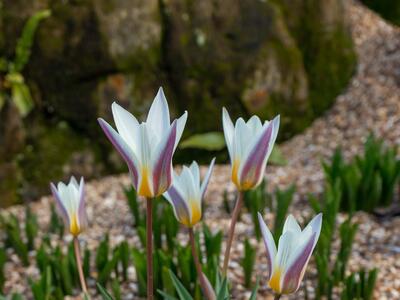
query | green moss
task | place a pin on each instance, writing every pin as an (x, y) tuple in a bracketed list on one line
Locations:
[(48, 155), (326, 46), (330, 65), (9, 183), (388, 9)]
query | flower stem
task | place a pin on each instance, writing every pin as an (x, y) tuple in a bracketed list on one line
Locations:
[(236, 211), (200, 273), (79, 265), (277, 297), (149, 246)]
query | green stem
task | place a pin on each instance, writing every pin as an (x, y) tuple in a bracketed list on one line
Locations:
[(277, 296), (235, 216)]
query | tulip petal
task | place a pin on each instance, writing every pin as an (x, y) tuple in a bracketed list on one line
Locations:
[(295, 271), (254, 124), (162, 168), (127, 126), (195, 170), (158, 117), (242, 139), (206, 179), (275, 124), (229, 131), (253, 167), (181, 209), (73, 182), (59, 204), (291, 225), (123, 149), (82, 207), (269, 244), (315, 225), (180, 126)]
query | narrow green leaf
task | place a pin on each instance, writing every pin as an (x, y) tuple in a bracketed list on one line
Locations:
[(181, 290), (103, 292), (210, 141)]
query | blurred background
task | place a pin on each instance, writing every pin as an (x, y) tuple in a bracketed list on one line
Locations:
[(62, 64)]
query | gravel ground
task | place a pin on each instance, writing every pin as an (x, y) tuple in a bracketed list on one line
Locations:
[(371, 103)]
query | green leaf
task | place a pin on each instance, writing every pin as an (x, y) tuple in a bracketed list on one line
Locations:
[(210, 141), (181, 290), (103, 292), (223, 292), (166, 296), (22, 98), (254, 292), (247, 262), (24, 43)]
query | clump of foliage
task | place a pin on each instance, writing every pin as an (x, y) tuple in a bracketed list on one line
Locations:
[(368, 181), (332, 272), (22, 242), (14, 84)]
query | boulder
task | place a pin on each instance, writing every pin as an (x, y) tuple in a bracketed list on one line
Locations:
[(255, 57)]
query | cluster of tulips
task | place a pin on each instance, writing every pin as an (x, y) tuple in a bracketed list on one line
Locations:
[(148, 148)]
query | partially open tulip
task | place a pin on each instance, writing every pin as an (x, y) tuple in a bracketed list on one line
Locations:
[(187, 192), (250, 145), (70, 203), (288, 263), (147, 147)]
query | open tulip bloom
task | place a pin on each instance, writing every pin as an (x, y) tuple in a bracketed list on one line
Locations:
[(185, 196), (186, 193), (70, 203), (147, 147), (250, 145), (288, 263)]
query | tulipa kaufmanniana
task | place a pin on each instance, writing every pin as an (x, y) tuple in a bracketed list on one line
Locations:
[(185, 196), (249, 145), (70, 203), (288, 263), (147, 148)]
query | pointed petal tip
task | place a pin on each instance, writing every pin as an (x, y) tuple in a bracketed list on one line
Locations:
[(53, 187), (260, 218), (212, 161)]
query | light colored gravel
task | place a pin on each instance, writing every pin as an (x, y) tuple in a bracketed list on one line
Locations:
[(371, 103)]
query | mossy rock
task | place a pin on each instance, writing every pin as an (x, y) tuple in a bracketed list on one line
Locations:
[(54, 152), (324, 39), (288, 57)]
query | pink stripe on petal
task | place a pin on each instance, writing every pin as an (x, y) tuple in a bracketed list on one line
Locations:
[(60, 206), (269, 243), (181, 209), (121, 147), (294, 274), (162, 171), (253, 166)]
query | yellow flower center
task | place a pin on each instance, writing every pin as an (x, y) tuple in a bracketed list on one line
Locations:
[(144, 189), (196, 213), (275, 281), (74, 227), (235, 171)]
